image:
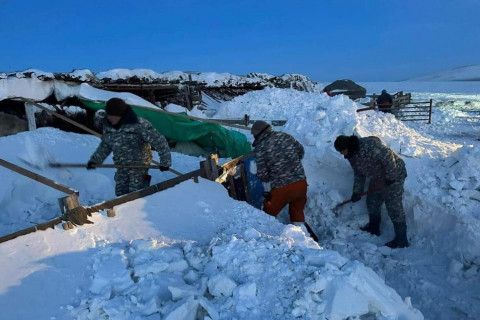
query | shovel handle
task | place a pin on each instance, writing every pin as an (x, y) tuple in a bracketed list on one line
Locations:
[(372, 189), (84, 165)]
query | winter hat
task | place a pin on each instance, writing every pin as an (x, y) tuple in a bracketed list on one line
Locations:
[(342, 143), (259, 127), (116, 107)]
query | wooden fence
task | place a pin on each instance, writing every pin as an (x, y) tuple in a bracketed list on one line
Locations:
[(415, 111), (403, 107)]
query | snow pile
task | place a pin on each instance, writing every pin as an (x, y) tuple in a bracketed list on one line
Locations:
[(38, 90), (453, 194), (205, 255), (402, 139), (242, 273), (146, 75)]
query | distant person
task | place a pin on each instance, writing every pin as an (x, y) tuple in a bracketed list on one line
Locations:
[(384, 102), (279, 161), (371, 158), (329, 93), (131, 139)]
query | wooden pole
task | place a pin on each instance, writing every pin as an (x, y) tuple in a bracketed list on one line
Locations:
[(30, 117), (37, 177), (42, 226), (84, 165), (108, 204), (53, 113)]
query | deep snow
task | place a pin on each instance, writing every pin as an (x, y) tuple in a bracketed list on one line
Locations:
[(163, 256)]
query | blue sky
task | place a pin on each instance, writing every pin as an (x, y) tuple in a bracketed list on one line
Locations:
[(361, 40)]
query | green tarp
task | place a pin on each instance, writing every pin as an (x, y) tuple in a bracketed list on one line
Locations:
[(211, 137)]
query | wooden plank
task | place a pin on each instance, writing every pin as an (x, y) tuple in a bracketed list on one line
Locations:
[(412, 116), (275, 123), (231, 189), (150, 86), (246, 189), (415, 119), (234, 162), (426, 106), (53, 113), (365, 109), (414, 111), (37, 177), (108, 204), (41, 226), (194, 118)]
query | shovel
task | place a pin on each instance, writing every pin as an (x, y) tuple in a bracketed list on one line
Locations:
[(372, 189), (133, 166), (83, 165)]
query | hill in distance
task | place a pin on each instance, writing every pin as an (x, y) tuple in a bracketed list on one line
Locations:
[(466, 73)]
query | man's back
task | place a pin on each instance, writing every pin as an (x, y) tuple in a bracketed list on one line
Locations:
[(384, 102), (278, 157)]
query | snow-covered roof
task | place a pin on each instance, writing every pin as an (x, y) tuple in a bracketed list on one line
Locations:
[(208, 79)]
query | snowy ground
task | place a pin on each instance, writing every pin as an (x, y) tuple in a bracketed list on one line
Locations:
[(192, 250)]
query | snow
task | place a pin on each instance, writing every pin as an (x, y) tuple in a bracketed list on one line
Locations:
[(192, 252), (211, 79)]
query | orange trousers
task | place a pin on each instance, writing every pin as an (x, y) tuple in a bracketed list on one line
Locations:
[(294, 194)]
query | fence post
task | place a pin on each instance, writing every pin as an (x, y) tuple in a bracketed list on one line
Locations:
[(430, 112), (210, 167)]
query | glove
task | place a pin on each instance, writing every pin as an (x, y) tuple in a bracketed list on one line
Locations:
[(355, 197), (389, 182), (162, 168), (91, 165)]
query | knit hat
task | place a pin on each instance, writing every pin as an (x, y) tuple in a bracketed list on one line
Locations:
[(259, 127), (116, 107), (342, 143)]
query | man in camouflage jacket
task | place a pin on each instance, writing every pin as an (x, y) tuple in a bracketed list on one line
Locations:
[(131, 139), (278, 156), (371, 158)]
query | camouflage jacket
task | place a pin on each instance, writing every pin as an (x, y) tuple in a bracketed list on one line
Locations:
[(132, 142), (375, 160), (278, 156)]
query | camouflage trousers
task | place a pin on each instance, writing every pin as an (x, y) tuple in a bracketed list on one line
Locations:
[(130, 180), (392, 195)]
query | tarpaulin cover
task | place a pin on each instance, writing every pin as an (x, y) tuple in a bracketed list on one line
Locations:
[(211, 137)]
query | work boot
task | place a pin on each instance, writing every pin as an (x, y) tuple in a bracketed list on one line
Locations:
[(400, 240), (373, 226)]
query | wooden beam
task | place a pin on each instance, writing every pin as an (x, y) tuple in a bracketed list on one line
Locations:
[(108, 204), (37, 177), (53, 113), (41, 226)]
